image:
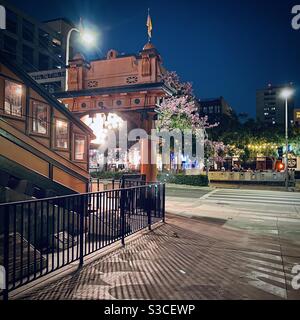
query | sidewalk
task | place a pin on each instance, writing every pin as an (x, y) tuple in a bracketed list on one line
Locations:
[(186, 258)]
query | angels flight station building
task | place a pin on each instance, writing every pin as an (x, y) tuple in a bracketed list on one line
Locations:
[(103, 93)]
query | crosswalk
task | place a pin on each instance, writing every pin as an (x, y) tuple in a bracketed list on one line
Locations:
[(232, 196)]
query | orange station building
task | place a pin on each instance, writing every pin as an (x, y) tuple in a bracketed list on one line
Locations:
[(43, 146), (129, 86)]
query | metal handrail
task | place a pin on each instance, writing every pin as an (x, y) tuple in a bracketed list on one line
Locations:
[(76, 195), (43, 235)]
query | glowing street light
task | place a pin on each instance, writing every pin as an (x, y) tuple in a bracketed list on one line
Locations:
[(86, 36), (286, 94)]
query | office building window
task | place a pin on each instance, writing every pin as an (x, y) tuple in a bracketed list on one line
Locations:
[(44, 39), (28, 58), (11, 21), (28, 30), (51, 87), (13, 98), (61, 134), (40, 118), (10, 47), (211, 109), (217, 109), (43, 62), (56, 42), (79, 147), (205, 109)]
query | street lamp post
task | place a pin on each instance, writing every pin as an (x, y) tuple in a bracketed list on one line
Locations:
[(86, 37), (68, 54), (286, 94)]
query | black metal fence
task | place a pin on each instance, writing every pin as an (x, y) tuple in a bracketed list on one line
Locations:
[(40, 236), (126, 181)]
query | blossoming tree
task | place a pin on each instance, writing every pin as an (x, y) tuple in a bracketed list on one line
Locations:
[(180, 111)]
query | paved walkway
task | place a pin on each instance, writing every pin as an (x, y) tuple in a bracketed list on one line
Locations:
[(187, 258)]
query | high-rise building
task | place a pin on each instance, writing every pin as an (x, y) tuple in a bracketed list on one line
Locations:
[(297, 117), (214, 109), (270, 106), (36, 46)]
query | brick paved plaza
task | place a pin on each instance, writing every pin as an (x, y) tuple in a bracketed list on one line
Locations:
[(186, 258)]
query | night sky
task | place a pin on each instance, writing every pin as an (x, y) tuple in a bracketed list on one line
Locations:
[(224, 47)]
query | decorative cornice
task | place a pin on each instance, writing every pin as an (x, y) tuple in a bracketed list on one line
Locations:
[(115, 90)]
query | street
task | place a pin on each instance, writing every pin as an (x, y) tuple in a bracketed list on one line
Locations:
[(234, 204), (259, 213)]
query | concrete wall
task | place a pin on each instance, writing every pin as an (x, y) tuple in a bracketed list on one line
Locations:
[(258, 177)]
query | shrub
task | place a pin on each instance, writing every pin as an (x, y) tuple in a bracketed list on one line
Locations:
[(197, 180), (107, 175)]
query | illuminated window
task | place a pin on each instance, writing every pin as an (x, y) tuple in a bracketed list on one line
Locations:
[(40, 117), (13, 98), (61, 134), (56, 42), (79, 147)]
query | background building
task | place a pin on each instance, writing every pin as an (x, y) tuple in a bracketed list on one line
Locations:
[(270, 107), (37, 46), (297, 117), (215, 109), (52, 80)]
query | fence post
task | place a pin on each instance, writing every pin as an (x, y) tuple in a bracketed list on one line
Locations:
[(149, 207), (81, 229), (159, 197), (122, 211), (164, 204), (5, 212)]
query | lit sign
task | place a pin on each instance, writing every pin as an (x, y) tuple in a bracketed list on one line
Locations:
[(2, 18), (298, 115), (292, 163)]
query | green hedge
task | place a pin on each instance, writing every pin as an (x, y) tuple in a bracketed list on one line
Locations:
[(180, 178), (197, 180), (107, 175)]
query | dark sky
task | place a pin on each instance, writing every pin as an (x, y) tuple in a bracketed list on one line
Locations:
[(225, 47)]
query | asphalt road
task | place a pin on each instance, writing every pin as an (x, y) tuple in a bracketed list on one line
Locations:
[(269, 217), (186, 192)]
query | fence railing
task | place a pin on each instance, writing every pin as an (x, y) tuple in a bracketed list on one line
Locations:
[(126, 181), (41, 236)]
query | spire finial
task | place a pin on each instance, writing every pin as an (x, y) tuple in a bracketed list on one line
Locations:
[(149, 26)]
